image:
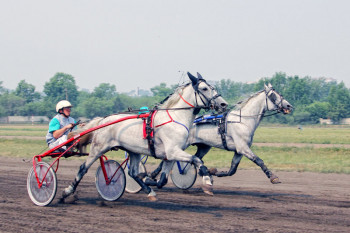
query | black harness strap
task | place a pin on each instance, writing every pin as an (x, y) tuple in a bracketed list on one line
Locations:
[(149, 134), (222, 130)]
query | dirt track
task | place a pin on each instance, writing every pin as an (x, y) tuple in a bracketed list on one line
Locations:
[(246, 202)]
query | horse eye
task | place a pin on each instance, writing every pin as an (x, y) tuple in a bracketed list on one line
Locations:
[(273, 97), (205, 89)]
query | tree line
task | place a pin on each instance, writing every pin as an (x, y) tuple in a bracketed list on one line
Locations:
[(311, 98)]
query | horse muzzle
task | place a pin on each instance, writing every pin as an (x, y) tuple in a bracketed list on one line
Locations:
[(286, 111)]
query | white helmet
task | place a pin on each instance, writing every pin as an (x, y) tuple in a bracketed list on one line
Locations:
[(63, 104)]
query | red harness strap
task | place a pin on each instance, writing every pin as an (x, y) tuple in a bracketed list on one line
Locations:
[(171, 120), (151, 124)]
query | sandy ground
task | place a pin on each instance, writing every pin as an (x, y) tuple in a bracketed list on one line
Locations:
[(245, 202)]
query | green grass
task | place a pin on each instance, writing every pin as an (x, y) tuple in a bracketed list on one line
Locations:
[(306, 135), (324, 160), (23, 130), (308, 158)]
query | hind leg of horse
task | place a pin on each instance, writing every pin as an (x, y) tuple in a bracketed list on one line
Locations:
[(202, 150), (250, 155), (234, 165), (157, 170), (164, 174), (82, 171), (95, 152), (135, 160)]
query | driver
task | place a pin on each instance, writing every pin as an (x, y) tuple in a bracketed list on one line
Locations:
[(59, 125)]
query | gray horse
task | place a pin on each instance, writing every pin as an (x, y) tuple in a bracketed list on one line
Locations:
[(170, 124), (236, 132)]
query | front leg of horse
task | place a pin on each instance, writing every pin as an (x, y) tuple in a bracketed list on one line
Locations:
[(246, 151), (273, 178), (207, 185)]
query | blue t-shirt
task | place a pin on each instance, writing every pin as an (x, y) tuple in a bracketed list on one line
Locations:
[(58, 122), (54, 125)]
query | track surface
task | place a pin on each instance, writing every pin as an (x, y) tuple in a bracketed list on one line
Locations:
[(245, 202)]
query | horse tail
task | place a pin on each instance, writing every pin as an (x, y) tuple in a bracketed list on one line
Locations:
[(87, 138)]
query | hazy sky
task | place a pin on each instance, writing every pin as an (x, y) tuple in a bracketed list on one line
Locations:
[(141, 43)]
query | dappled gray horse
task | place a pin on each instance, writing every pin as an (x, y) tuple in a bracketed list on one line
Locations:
[(237, 131), (171, 123)]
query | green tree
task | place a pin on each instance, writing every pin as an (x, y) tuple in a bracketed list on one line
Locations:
[(61, 87), (12, 104), (94, 107), (27, 91), (317, 110), (105, 90), (339, 100), (161, 90), (2, 89)]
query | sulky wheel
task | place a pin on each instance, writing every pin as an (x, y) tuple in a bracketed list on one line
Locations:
[(115, 189), (131, 185), (183, 175), (42, 196)]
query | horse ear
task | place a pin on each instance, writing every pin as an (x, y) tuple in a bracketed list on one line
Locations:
[(199, 76), (193, 79), (265, 86), (270, 86)]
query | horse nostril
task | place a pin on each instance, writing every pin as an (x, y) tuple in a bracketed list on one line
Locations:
[(223, 105)]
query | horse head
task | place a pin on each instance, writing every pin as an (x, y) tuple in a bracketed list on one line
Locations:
[(207, 94), (277, 100)]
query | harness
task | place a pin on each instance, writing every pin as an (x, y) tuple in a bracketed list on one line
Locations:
[(148, 127), (216, 119), (221, 119)]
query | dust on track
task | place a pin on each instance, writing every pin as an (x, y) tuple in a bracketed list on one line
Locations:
[(245, 202)]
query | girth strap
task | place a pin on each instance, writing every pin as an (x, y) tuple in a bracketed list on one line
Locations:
[(222, 130), (148, 132)]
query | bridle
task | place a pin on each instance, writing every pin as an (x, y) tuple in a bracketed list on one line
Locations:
[(205, 100), (272, 97)]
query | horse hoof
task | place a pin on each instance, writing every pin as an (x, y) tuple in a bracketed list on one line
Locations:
[(71, 199), (275, 180), (208, 189), (212, 171), (152, 198)]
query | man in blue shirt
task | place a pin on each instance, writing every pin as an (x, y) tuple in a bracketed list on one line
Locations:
[(59, 125)]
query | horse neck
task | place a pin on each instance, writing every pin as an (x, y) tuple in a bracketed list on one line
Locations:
[(183, 108), (254, 109)]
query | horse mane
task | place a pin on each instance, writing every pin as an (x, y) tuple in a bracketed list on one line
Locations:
[(172, 99), (244, 102)]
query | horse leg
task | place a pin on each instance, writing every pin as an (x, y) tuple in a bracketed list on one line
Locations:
[(175, 153), (234, 165), (135, 160), (273, 178), (207, 185), (250, 155), (202, 150), (166, 168), (82, 171), (155, 173)]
